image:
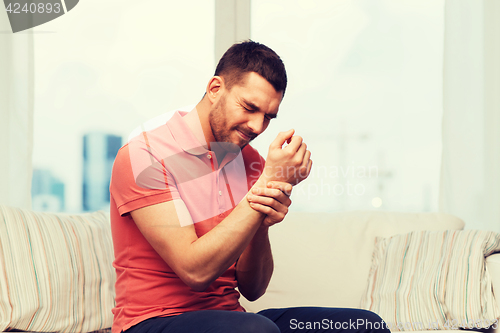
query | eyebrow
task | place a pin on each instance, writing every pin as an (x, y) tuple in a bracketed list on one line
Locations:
[(254, 107)]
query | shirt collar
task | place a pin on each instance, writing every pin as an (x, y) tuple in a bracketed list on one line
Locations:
[(184, 136), (187, 139)]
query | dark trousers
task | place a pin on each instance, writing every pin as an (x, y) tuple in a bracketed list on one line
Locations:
[(288, 320)]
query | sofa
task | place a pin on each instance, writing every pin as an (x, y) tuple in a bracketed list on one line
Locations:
[(56, 270), (325, 259)]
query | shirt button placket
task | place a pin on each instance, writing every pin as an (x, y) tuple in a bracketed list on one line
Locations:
[(220, 197), (217, 185)]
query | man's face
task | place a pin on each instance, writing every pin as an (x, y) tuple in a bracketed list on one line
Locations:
[(245, 111)]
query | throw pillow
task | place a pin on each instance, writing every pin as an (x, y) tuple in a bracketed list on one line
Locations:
[(433, 280), (56, 271)]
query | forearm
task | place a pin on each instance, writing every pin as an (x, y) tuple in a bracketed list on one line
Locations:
[(255, 266), (209, 256)]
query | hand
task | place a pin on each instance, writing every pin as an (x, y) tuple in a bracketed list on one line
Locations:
[(272, 201), (291, 164)]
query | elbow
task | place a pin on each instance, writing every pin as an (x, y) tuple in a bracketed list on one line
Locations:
[(252, 296), (197, 282), (196, 277)]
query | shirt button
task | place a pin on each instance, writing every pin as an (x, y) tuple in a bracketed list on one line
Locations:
[(209, 156), (220, 192)]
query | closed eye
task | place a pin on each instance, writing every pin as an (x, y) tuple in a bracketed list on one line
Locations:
[(249, 107), (248, 110)]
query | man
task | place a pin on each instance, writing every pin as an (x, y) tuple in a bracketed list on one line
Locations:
[(192, 203)]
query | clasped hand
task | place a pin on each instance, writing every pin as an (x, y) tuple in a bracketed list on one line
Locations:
[(285, 166)]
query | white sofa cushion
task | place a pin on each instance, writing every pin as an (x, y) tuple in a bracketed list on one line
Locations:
[(323, 259), (493, 267), (433, 279), (56, 271)]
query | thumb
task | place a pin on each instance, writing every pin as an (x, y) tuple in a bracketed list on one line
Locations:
[(282, 138)]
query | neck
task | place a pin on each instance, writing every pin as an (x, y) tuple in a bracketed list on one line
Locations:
[(194, 123), (200, 117), (203, 111)]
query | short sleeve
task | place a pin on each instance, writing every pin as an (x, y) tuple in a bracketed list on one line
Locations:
[(139, 180)]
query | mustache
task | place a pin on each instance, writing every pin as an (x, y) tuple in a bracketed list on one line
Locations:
[(248, 133)]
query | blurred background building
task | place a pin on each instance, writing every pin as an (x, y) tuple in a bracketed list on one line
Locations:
[(47, 191), (99, 152)]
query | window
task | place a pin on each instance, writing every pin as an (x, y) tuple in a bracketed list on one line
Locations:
[(101, 70), (365, 93)]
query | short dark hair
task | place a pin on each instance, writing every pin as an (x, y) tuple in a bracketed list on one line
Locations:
[(250, 56)]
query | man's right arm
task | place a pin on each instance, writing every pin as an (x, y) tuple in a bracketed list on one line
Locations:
[(199, 261)]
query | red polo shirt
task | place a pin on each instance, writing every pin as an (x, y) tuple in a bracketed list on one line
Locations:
[(160, 165)]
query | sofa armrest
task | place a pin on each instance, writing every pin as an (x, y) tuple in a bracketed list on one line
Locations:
[(493, 267)]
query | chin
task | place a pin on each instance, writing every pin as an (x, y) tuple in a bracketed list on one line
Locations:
[(228, 146), (243, 145), (234, 147)]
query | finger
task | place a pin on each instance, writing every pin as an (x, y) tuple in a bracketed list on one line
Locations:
[(271, 213), (282, 186), (302, 152), (294, 144), (309, 167), (275, 194), (282, 138), (270, 197), (307, 158), (268, 221)]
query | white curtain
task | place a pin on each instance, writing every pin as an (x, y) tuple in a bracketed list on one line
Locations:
[(16, 115), (470, 173)]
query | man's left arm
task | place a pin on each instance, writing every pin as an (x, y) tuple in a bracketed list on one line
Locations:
[(255, 265), (270, 197)]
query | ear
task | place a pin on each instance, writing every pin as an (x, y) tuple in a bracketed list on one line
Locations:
[(214, 88)]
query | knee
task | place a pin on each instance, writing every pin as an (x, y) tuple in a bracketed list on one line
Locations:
[(256, 323), (369, 315), (371, 322)]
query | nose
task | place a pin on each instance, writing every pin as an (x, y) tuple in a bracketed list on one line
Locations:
[(256, 123)]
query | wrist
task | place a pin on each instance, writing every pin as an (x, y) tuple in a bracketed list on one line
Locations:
[(262, 181), (261, 235)]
